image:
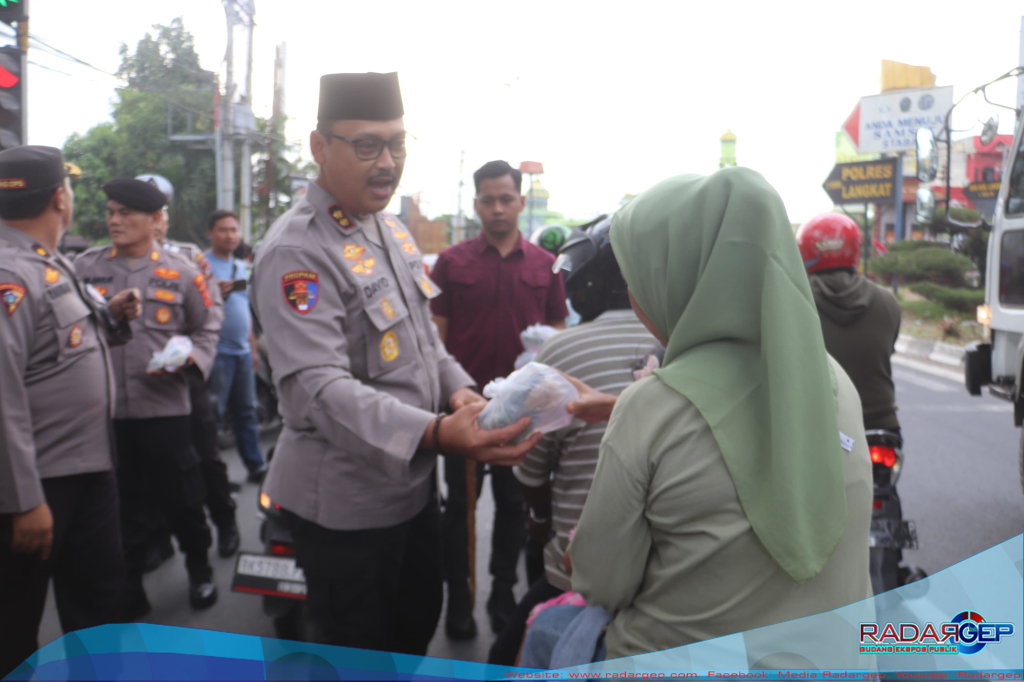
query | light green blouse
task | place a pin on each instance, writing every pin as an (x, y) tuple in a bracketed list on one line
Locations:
[(664, 545)]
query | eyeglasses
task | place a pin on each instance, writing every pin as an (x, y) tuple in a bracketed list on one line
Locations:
[(370, 148)]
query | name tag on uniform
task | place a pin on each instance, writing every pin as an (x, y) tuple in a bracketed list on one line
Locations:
[(846, 442)]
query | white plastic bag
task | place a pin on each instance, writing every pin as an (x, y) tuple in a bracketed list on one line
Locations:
[(174, 355), (533, 337), (535, 391)]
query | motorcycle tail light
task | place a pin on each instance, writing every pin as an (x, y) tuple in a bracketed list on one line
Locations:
[(278, 549), (266, 504), (884, 455)]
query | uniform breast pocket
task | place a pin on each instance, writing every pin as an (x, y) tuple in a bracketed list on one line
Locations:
[(76, 333), (163, 309), (390, 342), (535, 286)]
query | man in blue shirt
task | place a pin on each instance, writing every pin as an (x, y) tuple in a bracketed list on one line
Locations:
[(233, 380)]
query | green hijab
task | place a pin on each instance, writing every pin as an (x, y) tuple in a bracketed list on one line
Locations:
[(713, 263)]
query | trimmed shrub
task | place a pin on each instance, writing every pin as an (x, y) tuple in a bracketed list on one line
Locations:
[(905, 246), (923, 264), (961, 300)]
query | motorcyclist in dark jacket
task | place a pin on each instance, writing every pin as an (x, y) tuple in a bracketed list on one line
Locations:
[(859, 319)]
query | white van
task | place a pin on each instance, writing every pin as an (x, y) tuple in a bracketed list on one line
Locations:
[(997, 362)]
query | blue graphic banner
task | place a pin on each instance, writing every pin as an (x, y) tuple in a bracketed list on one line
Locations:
[(963, 623)]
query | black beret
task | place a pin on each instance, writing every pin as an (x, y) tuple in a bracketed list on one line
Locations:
[(31, 167), (360, 96), (137, 194)]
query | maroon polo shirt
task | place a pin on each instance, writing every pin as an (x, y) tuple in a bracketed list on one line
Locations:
[(489, 300)]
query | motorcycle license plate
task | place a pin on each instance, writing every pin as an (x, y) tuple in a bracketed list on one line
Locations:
[(269, 575), (891, 534)]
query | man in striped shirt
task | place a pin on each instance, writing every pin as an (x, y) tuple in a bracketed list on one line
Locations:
[(603, 352)]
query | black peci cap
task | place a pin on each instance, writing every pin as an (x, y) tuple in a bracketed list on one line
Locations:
[(137, 194), (31, 167), (360, 96)]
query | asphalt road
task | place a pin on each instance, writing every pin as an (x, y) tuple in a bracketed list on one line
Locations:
[(960, 484)]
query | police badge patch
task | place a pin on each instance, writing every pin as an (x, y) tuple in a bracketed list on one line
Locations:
[(301, 290), (11, 295)]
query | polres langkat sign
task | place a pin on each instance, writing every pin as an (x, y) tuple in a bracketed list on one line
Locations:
[(888, 123)]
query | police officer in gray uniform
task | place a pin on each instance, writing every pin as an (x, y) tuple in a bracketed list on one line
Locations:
[(58, 494), (203, 418), (362, 379), (156, 461)]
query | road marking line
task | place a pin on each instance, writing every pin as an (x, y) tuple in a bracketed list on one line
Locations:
[(902, 361), (922, 382)]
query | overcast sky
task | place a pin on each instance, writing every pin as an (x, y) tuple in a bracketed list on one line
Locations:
[(610, 97)]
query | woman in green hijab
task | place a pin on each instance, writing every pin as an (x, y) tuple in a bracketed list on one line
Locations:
[(728, 494)]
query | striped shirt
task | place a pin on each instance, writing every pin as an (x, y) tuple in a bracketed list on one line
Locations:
[(602, 354)]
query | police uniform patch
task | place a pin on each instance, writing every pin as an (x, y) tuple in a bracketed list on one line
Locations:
[(301, 290), (389, 347), (167, 273), (102, 291), (75, 337), (364, 267), (200, 283), (163, 315), (339, 216), (390, 223), (401, 235), (41, 251), (52, 275), (154, 255), (389, 310), (113, 253), (354, 251), (409, 248), (427, 286), (11, 295), (164, 295)]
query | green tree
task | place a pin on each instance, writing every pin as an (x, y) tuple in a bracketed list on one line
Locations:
[(166, 87)]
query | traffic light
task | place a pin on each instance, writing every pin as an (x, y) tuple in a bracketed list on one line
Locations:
[(12, 97), (13, 10)]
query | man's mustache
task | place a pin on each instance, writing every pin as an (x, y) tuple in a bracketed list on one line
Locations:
[(386, 175)]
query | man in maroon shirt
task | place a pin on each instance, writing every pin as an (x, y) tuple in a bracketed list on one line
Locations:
[(494, 286)]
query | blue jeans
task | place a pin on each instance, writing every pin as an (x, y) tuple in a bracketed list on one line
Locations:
[(233, 385), (545, 633)]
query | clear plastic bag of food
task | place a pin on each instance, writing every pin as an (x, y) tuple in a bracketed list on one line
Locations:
[(535, 391), (174, 355), (533, 337)]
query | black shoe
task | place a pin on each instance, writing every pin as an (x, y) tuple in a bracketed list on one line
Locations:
[(202, 595), (500, 606), (138, 606), (257, 475), (157, 554), (459, 623), (227, 540)]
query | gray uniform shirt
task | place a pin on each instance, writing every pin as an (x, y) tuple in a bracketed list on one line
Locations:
[(57, 385), (359, 368), (176, 300)]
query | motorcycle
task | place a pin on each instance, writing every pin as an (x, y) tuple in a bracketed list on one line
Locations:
[(890, 533)]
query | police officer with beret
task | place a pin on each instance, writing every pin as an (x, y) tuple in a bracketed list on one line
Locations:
[(363, 382), (58, 494), (156, 461)]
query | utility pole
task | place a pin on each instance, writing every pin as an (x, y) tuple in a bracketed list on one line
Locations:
[(245, 193), (458, 213), (277, 117), (226, 200)]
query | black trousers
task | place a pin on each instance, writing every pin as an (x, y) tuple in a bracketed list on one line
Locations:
[(158, 469), (509, 522), (203, 421), (379, 588), (506, 646), (85, 562)]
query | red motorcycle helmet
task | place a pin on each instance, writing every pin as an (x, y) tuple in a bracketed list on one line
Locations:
[(829, 240)]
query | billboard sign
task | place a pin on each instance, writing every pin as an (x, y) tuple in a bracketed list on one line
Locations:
[(863, 182), (888, 123)]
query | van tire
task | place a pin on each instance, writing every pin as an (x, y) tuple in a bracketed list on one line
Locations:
[(1020, 454)]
